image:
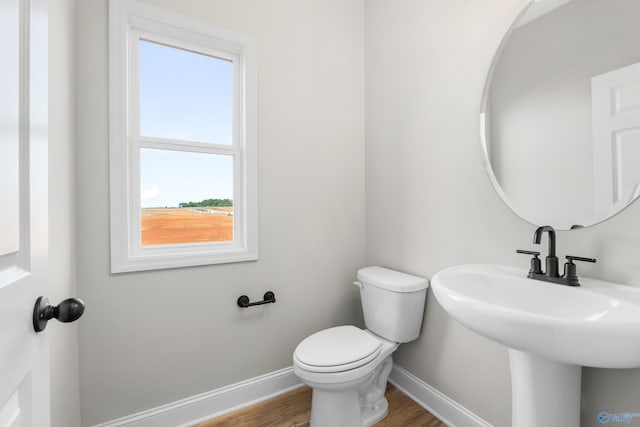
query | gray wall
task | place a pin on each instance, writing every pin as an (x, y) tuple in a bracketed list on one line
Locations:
[(65, 399), (430, 204), (156, 337)]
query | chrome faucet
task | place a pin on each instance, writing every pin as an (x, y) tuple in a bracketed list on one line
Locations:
[(570, 276)]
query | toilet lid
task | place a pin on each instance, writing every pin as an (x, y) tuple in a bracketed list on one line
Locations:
[(337, 349)]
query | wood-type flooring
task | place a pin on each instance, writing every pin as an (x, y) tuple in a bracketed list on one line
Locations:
[(294, 408)]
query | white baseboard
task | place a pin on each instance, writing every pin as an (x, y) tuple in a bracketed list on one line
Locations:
[(446, 409), (195, 409)]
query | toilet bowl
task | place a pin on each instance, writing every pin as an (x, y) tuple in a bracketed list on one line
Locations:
[(348, 384), (347, 367)]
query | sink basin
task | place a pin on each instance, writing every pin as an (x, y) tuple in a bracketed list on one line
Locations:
[(596, 324), (551, 331)]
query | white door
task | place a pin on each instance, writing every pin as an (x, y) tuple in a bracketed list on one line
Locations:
[(24, 354), (616, 138)]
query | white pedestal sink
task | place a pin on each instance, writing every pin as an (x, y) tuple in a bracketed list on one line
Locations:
[(551, 331)]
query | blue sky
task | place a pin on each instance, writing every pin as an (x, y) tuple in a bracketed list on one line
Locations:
[(187, 96), (170, 177)]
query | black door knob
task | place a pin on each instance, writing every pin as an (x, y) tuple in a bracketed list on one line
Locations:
[(68, 310)]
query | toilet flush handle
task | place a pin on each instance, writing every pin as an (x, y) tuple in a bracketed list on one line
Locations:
[(358, 284)]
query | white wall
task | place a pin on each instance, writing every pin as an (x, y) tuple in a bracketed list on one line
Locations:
[(63, 338), (430, 204), (156, 337)]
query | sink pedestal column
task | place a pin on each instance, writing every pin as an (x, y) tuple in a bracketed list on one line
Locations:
[(544, 392)]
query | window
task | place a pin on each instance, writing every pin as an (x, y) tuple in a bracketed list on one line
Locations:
[(182, 141)]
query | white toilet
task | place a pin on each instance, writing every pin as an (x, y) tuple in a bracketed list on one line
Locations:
[(348, 367)]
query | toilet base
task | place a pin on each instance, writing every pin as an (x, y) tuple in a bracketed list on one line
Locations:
[(356, 403), (335, 409), (343, 410), (373, 414)]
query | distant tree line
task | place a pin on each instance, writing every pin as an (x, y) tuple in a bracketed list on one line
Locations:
[(207, 203)]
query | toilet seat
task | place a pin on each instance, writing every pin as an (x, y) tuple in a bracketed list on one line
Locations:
[(337, 349)]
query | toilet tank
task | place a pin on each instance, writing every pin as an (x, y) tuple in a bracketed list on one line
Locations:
[(392, 302)]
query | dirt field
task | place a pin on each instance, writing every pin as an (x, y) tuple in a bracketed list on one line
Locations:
[(186, 225)]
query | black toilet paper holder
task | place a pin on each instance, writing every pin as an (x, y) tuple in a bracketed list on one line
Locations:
[(243, 300)]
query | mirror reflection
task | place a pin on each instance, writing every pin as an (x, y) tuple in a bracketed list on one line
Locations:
[(561, 112)]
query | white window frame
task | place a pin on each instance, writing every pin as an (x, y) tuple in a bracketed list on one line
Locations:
[(130, 21)]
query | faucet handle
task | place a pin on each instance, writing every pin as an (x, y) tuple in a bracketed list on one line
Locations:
[(536, 266), (572, 258), (522, 251), (570, 272)]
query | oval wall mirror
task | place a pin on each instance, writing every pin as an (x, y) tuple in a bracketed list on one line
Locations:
[(560, 116)]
